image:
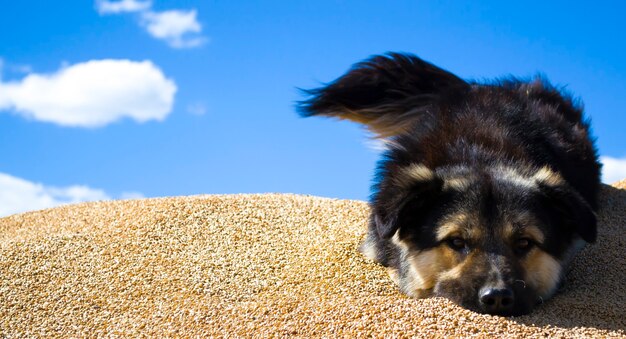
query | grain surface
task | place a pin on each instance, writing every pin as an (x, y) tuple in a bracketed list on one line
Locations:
[(268, 265)]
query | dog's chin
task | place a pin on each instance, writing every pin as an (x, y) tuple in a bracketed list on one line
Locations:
[(519, 309)]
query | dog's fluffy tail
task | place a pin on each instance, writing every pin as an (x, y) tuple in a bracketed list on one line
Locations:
[(386, 93)]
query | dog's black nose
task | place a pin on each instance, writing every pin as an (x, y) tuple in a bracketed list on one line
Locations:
[(496, 300)]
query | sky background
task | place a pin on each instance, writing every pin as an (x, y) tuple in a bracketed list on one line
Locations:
[(130, 99)]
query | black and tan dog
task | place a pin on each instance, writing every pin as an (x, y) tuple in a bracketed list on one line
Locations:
[(486, 191)]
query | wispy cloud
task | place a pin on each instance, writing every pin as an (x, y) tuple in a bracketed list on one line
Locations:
[(123, 6), (92, 94), (197, 108), (178, 28), (613, 169), (19, 195), (13, 68)]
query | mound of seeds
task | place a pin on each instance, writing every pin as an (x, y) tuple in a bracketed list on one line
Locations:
[(259, 266)]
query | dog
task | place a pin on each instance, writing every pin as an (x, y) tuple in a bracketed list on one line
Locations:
[(485, 191)]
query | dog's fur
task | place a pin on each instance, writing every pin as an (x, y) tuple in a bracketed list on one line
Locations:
[(486, 190)]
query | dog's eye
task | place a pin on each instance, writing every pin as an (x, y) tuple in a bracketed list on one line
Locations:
[(457, 243), (523, 245)]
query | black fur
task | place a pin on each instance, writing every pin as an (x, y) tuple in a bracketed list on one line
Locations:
[(458, 128)]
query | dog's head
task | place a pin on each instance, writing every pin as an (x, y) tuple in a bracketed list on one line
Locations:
[(495, 240), (493, 235)]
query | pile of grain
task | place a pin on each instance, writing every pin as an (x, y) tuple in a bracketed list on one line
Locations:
[(258, 265)]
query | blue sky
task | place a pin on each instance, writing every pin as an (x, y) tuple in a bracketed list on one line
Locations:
[(110, 99)]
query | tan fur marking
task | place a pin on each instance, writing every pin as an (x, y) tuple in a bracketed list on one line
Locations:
[(448, 229), (384, 125), (354, 116), (544, 175), (459, 183), (527, 228), (398, 242), (416, 172), (547, 176), (543, 272), (393, 274), (455, 273), (534, 233), (368, 249), (387, 125), (459, 225), (426, 267), (513, 176)]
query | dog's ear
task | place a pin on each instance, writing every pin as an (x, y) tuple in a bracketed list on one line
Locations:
[(570, 210), (385, 93), (407, 198)]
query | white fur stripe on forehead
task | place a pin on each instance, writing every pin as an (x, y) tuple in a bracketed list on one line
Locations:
[(414, 173), (548, 177), (544, 176)]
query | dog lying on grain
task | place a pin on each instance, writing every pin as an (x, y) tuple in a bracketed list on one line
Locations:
[(485, 192)]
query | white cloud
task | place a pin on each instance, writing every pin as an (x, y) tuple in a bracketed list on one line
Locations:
[(614, 169), (179, 29), (92, 94), (19, 195), (123, 6)]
